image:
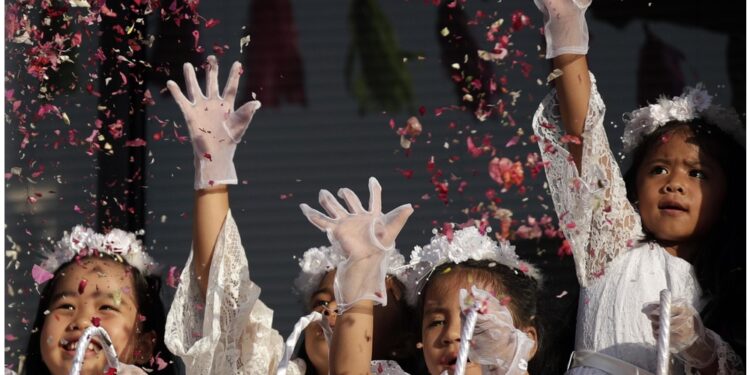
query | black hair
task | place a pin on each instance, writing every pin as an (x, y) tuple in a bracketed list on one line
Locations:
[(720, 263), (523, 290), (147, 295)]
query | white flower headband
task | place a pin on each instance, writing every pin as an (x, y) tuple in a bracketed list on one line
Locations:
[(83, 241), (317, 261), (466, 244), (694, 103)]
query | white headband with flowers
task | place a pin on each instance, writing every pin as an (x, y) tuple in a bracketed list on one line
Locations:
[(466, 244), (694, 103), (83, 241), (317, 261)]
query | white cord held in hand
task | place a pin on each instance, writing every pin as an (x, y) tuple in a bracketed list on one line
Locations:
[(83, 344), (662, 348), (215, 127), (475, 306), (291, 342)]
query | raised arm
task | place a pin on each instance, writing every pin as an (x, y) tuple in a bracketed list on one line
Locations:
[(584, 178), (567, 38), (215, 129), (366, 237)]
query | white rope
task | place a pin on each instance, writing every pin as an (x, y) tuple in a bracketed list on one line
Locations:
[(662, 349), (82, 346), (291, 342)]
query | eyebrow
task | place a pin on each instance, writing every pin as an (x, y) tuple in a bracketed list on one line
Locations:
[(691, 163), (327, 290), (435, 310), (97, 294)]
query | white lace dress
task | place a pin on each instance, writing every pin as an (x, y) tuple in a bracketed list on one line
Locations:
[(231, 332), (617, 272)]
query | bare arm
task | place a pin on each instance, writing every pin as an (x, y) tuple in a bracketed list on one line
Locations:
[(573, 92), (211, 207), (351, 347)]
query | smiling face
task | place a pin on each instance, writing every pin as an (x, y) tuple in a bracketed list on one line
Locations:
[(107, 298), (680, 189)]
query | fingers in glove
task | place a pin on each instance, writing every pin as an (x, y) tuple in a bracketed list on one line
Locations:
[(331, 205), (376, 205), (317, 218), (181, 100), (233, 81), (351, 200), (396, 219), (240, 119), (191, 83), (212, 78)]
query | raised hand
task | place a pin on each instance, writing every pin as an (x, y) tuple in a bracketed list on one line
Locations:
[(565, 26), (215, 127), (365, 237)]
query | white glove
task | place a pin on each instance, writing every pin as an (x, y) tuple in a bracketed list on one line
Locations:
[(565, 26), (688, 338), (215, 127), (365, 236), (497, 345)]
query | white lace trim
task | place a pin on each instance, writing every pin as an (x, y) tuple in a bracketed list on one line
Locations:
[(595, 215), (231, 333)]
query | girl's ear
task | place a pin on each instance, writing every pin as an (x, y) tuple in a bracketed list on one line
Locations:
[(145, 347), (531, 332)]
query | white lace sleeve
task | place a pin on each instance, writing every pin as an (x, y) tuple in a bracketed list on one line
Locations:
[(594, 213), (729, 362), (231, 332)]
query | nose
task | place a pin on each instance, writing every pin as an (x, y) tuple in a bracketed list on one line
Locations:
[(81, 322), (452, 333), (674, 185), (331, 315)]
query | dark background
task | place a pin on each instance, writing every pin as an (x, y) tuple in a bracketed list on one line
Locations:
[(323, 138)]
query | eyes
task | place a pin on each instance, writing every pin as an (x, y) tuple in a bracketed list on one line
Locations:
[(694, 172), (65, 306), (436, 323)]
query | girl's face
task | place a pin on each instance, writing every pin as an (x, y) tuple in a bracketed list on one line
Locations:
[(94, 291), (388, 318), (681, 189), (322, 301), (441, 323)]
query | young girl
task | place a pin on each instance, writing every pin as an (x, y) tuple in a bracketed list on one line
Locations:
[(217, 324), (315, 287), (367, 236), (674, 226), (98, 280)]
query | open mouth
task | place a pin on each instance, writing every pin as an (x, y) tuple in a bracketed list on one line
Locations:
[(671, 206), (72, 346)]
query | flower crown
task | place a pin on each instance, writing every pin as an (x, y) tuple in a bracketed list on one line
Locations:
[(317, 261), (465, 244), (83, 241), (694, 103)]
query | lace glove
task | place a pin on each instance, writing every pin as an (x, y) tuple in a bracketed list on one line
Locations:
[(565, 26), (497, 345), (365, 236), (688, 338), (214, 126)]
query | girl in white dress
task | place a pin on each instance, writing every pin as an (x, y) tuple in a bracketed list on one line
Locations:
[(627, 250), (217, 324), (505, 336), (98, 280)]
